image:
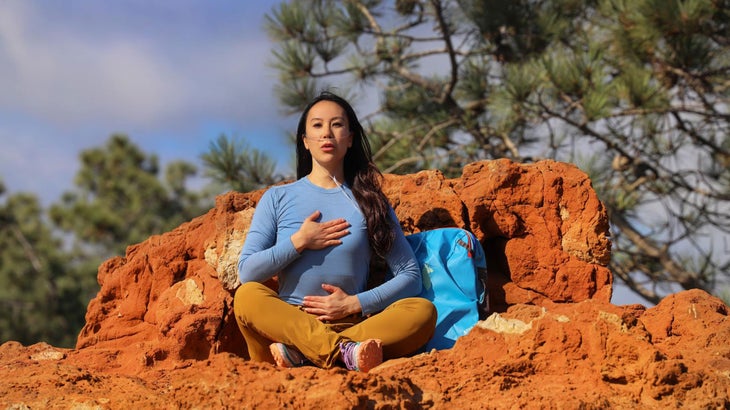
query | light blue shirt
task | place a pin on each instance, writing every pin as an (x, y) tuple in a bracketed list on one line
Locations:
[(268, 249)]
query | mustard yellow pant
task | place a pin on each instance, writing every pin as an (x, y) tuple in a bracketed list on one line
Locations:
[(263, 318)]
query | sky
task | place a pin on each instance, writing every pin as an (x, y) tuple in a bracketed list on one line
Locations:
[(172, 75)]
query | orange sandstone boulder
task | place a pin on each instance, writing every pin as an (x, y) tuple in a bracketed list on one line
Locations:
[(589, 354), (160, 333), (543, 229)]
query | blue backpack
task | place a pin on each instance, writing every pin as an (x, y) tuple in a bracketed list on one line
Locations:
[(453, 266)]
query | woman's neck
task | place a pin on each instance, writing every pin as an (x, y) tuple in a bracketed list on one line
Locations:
[(325, 179)]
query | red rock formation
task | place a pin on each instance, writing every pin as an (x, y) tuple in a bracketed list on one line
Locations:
[(589, 354), (161, 333), (543, 229)]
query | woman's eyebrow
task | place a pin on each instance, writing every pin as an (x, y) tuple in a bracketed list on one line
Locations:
[(332, 119)]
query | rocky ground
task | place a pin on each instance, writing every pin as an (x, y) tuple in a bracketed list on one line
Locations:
[(161, 334), (567, 356)]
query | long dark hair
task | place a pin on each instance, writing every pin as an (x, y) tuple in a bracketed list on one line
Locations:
[(361, 175)]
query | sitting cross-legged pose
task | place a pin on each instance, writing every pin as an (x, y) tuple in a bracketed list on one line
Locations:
[(317, 235)]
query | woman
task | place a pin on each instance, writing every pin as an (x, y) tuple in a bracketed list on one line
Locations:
[(317, 234)]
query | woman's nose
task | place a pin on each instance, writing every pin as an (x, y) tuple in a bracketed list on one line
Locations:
[(327, 134)]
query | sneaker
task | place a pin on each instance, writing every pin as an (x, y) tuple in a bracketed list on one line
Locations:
[(362, 356), (287, 356)]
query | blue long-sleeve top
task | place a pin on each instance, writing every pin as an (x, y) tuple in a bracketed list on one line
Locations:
[(268, 249)]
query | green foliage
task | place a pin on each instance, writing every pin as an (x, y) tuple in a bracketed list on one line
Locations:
[(47, 279), (119, 199), (41, 296), (235, 166), (642, 82)]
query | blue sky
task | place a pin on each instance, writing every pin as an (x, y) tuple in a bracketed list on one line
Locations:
[(171, 75)]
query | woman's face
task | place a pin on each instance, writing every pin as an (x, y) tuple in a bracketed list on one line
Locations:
[(327, 133)]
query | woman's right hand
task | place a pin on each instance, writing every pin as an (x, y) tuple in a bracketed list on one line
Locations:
[(319, 235)]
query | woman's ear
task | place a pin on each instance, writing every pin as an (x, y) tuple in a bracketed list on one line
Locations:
[(304, 140)]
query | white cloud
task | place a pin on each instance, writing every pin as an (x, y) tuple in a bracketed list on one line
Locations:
[(63, 76), (73, 74), (63, 80)]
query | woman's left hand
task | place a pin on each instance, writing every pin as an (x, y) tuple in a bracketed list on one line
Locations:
[(336, 305)]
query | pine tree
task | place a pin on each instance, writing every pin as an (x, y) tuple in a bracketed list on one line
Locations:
[(634, 92), (120, 200), (42, 298), (233, 165)]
